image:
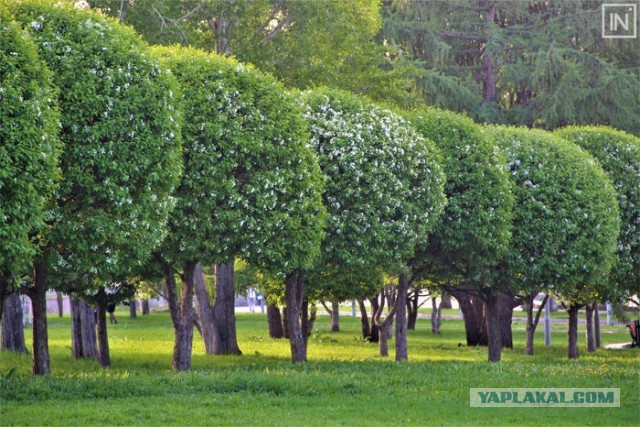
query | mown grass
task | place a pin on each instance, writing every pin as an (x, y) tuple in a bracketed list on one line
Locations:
[(344, 382)]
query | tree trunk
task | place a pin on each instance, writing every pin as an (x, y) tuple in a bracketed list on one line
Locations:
[(144, 306), (224, 316), (38, 295), (275, 321), (505, 315), (401, 319), (591, 340), (383, 344), (12, 328), (285, 322), (572, 350), (474, 321), (364, 321), (335, 316), (375, 330), (412, 309), (493, 327), (436, 316), (294, 294), (103, 340), (133, 311), (489, 91), (60, 304), (596, 324), (531, 327), (83, 330), (445, 301), (205, 311)]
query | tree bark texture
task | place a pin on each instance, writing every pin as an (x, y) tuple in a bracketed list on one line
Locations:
[(475, 323), (294, 295), (38, 295), (532, 323), (12, 328), (591, 339), (385, 326), (489, 91), (224, 316), (572, 335), (505, 316), (375, 330), (205, 311), (275, 321), (285, 322), (60, 303), (364, 321), (84, 343), (412, 309), (144, 306), (401, 319), (493, 327), (445, 301), (596, 324), (181, 314), (133, 309), (335, 316), (104, 357)]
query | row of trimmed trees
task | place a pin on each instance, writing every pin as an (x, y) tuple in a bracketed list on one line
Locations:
[(128, 162)]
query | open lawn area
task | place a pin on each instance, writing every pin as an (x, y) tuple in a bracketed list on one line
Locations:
[(344, 382)]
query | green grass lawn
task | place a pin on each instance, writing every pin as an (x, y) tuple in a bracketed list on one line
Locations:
[(344, 382)]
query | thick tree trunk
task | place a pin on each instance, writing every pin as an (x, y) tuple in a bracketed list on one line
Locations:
[(83, 330), (506, 304), (493, 327), (596, 324), (364, 321), (38, 295), (445, 301), (104, 358), (401, 319), (144, 306), (5, 290), (436, 316), (133, 311), (412, 309), (295, 294), (383, 341), (12, 328), (572, 335), (335, 316), (275, 321), (591, 340), (60, 303), (475, 323), (489, 90), (205, 311), (285, 322), (224, 316)]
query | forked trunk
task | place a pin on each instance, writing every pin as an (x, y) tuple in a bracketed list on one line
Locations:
[(591, 339), (294, 294), (493, 327), (572, 350), (275, 321), (205, 311), (224, 316), (38, 295), (401, 318), (12, 329)]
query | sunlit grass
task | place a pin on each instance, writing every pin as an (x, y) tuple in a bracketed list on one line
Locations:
[(345, 381)]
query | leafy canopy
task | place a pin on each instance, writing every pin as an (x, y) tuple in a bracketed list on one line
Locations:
[(121, 158), (29, 144), (251, 187), (619, 155), (565, 223)]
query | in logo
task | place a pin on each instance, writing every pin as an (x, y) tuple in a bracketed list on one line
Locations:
[(619, 21)]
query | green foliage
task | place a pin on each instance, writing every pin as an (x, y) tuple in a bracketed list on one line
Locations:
[(383, 188), (251, 187), (122, 148), (535, 63), (619, 155), (565, 223), (476, 226), (29, 145)]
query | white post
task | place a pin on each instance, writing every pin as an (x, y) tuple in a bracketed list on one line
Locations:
[(609, 314), (547, 323), (353, 308)]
